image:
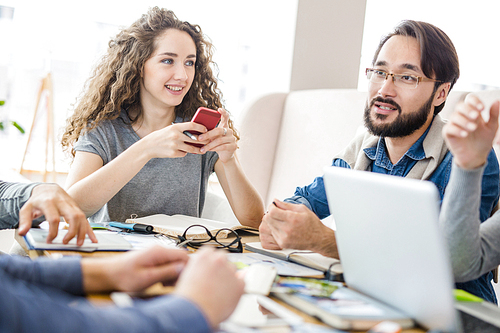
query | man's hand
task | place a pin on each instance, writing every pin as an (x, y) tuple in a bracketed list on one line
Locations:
[(134, 270), (53, 202), (266, 237), (468, 136), (295, 226), (210, 281)]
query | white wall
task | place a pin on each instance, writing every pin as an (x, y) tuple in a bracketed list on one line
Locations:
[(328, 39)]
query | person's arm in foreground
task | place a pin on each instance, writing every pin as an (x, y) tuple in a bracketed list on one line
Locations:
[(195, 306), (207, 276), (246, 203), (25, 202), (473, 246)]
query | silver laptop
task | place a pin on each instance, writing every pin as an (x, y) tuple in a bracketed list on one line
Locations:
[(390, 245)]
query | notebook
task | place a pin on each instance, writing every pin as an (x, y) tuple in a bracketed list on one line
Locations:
[(329, 266), (390, 245), (175, 225)]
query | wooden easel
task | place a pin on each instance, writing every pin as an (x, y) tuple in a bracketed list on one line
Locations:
[(45, 97)]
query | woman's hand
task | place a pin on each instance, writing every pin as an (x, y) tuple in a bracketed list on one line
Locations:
[(171, 142), (468, 135), (221, 139)]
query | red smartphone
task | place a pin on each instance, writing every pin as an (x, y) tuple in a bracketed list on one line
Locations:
[(208, 118)]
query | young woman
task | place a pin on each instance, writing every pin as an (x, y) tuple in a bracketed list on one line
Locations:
[(126, 134)]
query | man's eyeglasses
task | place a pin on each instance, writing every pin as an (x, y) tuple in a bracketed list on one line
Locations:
[(400, 80), (203, 236)]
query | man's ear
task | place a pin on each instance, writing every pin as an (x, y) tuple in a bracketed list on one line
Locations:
[(441, 94)]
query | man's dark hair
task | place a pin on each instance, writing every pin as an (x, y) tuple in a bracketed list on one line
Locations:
[(439, 59)]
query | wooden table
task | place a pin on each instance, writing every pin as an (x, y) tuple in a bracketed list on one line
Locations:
[(157, 289)]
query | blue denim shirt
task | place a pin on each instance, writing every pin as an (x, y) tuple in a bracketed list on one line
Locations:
[(314, 196)]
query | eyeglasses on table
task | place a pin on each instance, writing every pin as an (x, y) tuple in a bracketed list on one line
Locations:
[(203, 236)]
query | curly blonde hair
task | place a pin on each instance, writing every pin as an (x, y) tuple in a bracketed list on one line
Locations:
[(115, 82)]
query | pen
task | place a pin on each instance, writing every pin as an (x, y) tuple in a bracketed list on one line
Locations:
[(190, 135), (133, 226)]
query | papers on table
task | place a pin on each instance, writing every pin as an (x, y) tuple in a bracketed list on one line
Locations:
[(284, 267), (139, 241)]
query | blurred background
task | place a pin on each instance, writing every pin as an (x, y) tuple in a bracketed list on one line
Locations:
[(262, 46)]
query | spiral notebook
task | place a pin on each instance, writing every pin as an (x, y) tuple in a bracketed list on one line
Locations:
[(331, 267)]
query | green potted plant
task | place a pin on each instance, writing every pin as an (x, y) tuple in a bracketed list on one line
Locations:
[(13, 123)]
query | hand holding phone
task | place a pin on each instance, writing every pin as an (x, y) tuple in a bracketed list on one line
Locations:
[(206, 117)]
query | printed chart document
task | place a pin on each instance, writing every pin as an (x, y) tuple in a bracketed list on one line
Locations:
[(175, 225), (36, 239), (330, 266), (336, 305)]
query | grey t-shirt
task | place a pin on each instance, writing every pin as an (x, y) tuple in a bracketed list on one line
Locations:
[(163, 186)]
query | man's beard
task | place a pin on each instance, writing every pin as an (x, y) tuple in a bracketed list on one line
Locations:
[(403, 125)]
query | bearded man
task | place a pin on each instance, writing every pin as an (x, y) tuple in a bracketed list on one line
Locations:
[(413, 71)]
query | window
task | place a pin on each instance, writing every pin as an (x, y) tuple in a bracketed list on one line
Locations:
[(472, 27)]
